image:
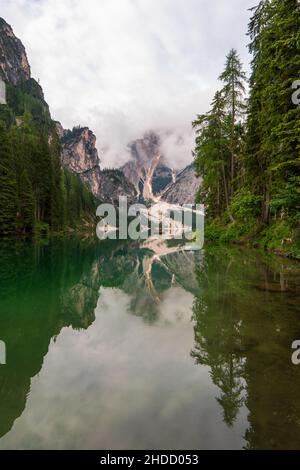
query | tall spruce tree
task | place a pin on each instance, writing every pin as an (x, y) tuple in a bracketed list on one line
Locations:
[(32, 178), (8, 185), (213, 157), (57, 196), (262, 173), (273, 140), (26, 205), (234, 90)]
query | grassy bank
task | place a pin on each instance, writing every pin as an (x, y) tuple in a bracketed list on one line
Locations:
[(281, 237)]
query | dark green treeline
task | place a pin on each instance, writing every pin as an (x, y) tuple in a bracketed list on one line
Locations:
[(248, 151), (36, 194)]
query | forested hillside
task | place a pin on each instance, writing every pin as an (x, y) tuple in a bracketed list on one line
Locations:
[(248, 147), (36, 193)]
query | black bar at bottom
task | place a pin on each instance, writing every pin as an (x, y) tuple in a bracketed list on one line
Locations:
[(144, 458)]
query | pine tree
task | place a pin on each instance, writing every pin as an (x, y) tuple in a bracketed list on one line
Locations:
[(31, 177), (213, 156), (273, 140), (26, 205), (41, 177), (234, 90), (261, 177), (57, 197), (8, 185)]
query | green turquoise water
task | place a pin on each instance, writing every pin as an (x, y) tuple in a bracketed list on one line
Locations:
[(112, 346)]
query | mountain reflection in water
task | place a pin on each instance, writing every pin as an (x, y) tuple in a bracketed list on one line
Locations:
[(167, 349)]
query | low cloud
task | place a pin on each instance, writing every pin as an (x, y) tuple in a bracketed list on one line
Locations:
[(124, 67)]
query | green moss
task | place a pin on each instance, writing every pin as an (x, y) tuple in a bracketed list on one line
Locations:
[(281, 237)]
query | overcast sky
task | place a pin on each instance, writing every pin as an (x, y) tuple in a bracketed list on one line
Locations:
[(122, 67)]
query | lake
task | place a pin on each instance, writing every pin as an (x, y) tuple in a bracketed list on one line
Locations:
[(111, 345)]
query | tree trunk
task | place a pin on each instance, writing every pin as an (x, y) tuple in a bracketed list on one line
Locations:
[(233, 111), (266, 207), (226, 193)]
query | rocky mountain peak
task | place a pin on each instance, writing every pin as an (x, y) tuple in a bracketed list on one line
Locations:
[(80, 155), (147, 169), (146, 175), (14, 66), (79, 148), (184, 189)]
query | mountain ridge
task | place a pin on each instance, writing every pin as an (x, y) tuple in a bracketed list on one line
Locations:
[(145, 176)]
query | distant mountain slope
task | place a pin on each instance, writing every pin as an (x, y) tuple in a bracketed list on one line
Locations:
[(184, 189), (144, 177), (163, 176), (147, 169), (114, 184), (80, 155)]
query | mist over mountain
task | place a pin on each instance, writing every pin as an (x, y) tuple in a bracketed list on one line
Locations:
[(152, 161), (152, 174), (121, 76)]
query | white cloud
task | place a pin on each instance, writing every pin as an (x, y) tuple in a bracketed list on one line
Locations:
[(125, 66)]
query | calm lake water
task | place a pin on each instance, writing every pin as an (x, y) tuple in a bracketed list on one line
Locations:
[(111, 346)]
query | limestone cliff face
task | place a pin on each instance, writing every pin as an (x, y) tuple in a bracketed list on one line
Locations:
[(60, 130), (80, 155), (184, 189), (14, 66), (154, 179), (146, 169), (114, 184)]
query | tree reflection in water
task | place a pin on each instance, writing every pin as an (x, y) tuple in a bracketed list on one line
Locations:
[(51, 285), (245, 316), (246, 319)]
